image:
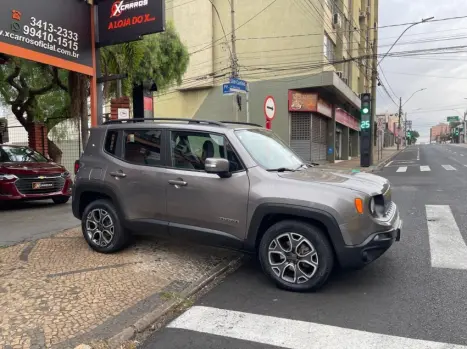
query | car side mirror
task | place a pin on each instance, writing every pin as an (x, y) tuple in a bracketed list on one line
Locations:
[(218, 166)]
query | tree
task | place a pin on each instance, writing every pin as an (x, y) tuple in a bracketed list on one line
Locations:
[(36, 91), (414, 136), (160, 58)]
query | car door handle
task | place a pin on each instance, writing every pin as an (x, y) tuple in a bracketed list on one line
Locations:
[(118, 174), (178, 183)]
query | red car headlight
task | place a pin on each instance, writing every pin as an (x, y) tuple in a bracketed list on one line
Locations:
[(7, 177)]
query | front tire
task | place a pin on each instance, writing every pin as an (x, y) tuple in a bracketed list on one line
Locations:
[(297, 256), (102, 227), (60, 200)]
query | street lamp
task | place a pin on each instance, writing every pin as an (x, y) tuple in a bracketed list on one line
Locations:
[(400, 110), (395, 42), (422, 89)]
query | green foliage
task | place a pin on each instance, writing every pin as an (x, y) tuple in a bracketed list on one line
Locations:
[(161, 58)]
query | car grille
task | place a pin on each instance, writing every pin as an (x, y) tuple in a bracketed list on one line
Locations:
[(50, 184)]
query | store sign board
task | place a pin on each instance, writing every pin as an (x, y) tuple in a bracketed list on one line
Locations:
[(324, 108), (302, 101), (344, 118), (47, 32), (127, 20)]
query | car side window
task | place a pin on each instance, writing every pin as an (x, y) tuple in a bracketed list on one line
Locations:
[(111, 142), (143, 147), (189, 150)]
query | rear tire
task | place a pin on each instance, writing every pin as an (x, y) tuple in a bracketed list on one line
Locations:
[(102, 227), (60, 200), (297, 256)]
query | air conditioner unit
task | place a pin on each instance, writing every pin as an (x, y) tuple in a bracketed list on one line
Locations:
[(340, 74), (336, 20)]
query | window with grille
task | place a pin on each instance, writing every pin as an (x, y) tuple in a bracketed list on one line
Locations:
[(300, 127), (329, 48)]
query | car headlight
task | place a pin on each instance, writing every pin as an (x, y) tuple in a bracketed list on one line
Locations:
[(8, 177), (372, 206), (65, 174)]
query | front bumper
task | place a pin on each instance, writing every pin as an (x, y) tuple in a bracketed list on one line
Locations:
[(10, 191), (371, 249)]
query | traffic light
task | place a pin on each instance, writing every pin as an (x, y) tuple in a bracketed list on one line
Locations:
[(409, 134), (365, 111), (457, 132), (365, 130)]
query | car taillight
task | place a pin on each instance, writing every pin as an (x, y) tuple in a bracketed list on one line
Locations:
[(76, 166)]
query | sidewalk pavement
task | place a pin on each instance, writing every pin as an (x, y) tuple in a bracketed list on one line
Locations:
[(354, 165), (57, 293)]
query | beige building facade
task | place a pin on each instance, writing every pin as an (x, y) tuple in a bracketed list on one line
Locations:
[(313, 56)]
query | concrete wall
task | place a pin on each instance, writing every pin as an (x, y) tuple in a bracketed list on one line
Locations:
[(284, 40)]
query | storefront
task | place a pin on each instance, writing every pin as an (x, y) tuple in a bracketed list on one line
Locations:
[(347, 135), (309, 117)]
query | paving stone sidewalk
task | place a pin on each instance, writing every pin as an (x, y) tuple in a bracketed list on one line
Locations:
[(58, 293)]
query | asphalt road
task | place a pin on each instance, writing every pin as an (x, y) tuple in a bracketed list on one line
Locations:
[(414, 296), (33, 220)]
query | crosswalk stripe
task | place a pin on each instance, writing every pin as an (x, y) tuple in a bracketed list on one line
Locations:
[(292, 334), (448, 168), (425, 168), (447, 247), (402, 169)]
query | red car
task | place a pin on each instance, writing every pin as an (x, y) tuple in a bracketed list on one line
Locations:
[(27, 175)]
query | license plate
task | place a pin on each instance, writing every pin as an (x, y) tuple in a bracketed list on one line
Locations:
[(39, 185)]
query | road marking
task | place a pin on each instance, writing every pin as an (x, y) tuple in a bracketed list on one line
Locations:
[(418, 153), (402, 169), (447, 247), (425, 168), (448, 168), (291, 334), (462, 154), (389, 163)]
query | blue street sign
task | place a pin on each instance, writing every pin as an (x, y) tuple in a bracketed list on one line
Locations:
[(227, 89), (238, 85)]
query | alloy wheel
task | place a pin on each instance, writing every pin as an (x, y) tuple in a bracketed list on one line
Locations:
[(100, 227), (293, 258)]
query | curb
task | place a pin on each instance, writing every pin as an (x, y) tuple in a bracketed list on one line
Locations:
[(389, 159), (147, 320)]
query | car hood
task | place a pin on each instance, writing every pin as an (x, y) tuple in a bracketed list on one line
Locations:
[(30, 168), (359, 181)]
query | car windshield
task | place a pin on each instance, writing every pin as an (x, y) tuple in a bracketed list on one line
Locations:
[(20, 154), (268, 150)]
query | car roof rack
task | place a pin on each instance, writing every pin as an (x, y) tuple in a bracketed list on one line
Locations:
[(190, 121), (240, 123)]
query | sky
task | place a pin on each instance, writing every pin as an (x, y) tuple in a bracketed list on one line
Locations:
[(443, 75)]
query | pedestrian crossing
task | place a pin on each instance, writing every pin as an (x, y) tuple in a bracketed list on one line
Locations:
[(230, 328), (288, 333), (411, 169)]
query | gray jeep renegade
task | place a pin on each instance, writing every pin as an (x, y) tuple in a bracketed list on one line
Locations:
[(233, 185)]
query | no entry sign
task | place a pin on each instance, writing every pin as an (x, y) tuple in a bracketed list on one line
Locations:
[(127, 20), (48, 31), (269, 108)]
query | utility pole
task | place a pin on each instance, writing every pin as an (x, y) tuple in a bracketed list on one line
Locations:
[(465, 128), (374, 74), (234, 55), (400, 128)]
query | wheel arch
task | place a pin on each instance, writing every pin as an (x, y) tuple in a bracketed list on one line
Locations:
[(267, 215), (83, 196)]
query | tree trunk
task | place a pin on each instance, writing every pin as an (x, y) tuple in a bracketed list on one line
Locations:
[(77, 87), (54, 151)]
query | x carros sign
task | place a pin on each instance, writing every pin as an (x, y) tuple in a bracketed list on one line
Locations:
[(43, 31), (127, 20)]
